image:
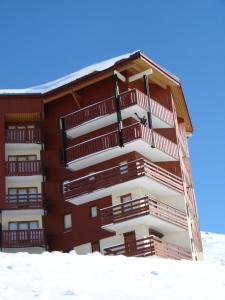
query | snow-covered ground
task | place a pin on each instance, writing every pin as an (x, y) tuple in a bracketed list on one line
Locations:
[(58, 276)]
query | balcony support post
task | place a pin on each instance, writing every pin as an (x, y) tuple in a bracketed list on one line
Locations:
[(118, 110), (149, 113), (62, 127)]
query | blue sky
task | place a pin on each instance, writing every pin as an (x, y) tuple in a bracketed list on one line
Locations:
[(43, 40)]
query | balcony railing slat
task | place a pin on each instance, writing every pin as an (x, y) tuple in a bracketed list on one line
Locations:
[(23, 238), (24, 201), (23, 168), (113, 176), (149, 246), (107, 106), (110, 140), (26, 136), (141, 207)]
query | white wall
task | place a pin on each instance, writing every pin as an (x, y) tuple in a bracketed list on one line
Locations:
[(178, 238), (23, 183), (27, 151), (83, 249), (175, 201), (32, 250), (111, 241), (21, 215)]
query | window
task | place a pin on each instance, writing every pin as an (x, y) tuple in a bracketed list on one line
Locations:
[(22, 157), (23, 164), (24, 228), (20, 126), (126, 200), (64, 185), (95, 246), (22, 133), (23, 225), (123, 167), (67, 221), (93, 211), (23, 194)]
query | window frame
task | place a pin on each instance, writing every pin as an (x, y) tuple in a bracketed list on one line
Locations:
[(123, 165), (23, 222), (126, 205), (67, 228), (90, 212), (16, 196), (26, 156)]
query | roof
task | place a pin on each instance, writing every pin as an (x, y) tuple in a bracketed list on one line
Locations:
[(141, 61), (52, 85), (62, 81)]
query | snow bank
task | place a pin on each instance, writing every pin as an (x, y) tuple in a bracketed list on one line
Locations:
[(214, 247), (59, 276)]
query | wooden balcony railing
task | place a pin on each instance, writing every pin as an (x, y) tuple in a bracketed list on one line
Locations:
[(23, 238), (149, 246), (115, 175), (23, 168), (24, 201), (142, 207), (107, 106), (130, 133), (26, 136)]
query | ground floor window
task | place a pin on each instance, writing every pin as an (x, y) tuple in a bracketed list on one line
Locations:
[(67, 221), (22, 231)]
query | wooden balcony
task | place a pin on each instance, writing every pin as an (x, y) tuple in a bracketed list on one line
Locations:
[(23, 136), (130, 101), (149, 246), (102, 183), (23, 168), (136, 137), (143, 210), (23, 238), (24, 201)]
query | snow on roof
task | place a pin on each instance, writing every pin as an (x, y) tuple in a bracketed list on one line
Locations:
[(47, 87)]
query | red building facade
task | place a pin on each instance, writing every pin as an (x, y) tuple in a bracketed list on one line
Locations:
[(98, 161)]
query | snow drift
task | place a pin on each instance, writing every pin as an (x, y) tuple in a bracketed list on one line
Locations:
[(59, 276)]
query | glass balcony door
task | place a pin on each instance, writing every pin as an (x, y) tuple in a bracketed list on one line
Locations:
[(22, 231), (21, 196)]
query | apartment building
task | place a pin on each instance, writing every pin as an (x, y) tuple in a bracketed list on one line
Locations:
[(98, 160)]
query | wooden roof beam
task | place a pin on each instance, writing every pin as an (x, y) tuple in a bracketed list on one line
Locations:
[(76, 98)]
